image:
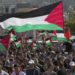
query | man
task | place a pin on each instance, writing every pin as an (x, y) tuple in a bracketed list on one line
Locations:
[(72, 67), (2, 72), (17, 71), (32, 70), (68, 46), (62, 70)]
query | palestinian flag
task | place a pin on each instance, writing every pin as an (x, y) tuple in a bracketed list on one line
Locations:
[(45, 18), (33, 45), (12, 35), (18, 44), (59, 37), (6, 41), (48, 44)]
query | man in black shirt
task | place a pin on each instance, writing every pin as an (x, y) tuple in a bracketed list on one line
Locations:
[(68, 46)]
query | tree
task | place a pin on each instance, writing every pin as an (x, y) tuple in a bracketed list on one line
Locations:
[(71, 22)]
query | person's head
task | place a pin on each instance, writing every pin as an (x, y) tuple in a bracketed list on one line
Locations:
[(22, 67), (72, 65), (17, 67), (31, 64), (50, 66)]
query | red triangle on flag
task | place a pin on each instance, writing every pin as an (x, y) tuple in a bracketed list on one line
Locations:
[(5, 41), (56, 16)]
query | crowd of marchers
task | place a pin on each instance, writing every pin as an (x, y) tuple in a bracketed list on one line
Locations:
[(43, 60)]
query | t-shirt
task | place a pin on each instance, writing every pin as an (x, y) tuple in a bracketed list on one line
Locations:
[(68, 46), (3, 73), (73, 73), (62, 72), (49, 73), (32, 72), (20, 73)]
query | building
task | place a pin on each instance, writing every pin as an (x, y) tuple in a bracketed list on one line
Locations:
[(15, 6), (7, 6)]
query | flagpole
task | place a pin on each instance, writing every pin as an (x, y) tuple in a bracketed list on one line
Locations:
[(7, 52)]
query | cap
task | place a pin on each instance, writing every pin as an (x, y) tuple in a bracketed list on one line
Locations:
[(31, 61), (72, 63), (53, 52)]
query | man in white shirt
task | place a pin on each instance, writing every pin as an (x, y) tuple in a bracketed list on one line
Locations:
[(2, 72), (17, 71)]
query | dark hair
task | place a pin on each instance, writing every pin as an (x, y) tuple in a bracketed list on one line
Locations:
[(16, 65), (1, 63)]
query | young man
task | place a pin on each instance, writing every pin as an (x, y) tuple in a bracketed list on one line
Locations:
[(17, 71)]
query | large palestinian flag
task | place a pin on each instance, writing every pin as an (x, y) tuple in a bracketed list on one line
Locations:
[(46, 18)]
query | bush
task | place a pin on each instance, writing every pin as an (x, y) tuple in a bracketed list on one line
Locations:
[(71, 25)]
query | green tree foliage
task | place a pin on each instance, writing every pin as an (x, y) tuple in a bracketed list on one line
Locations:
[(71, 21)]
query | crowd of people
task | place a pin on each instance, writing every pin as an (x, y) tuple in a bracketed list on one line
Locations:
[(43, 60)]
